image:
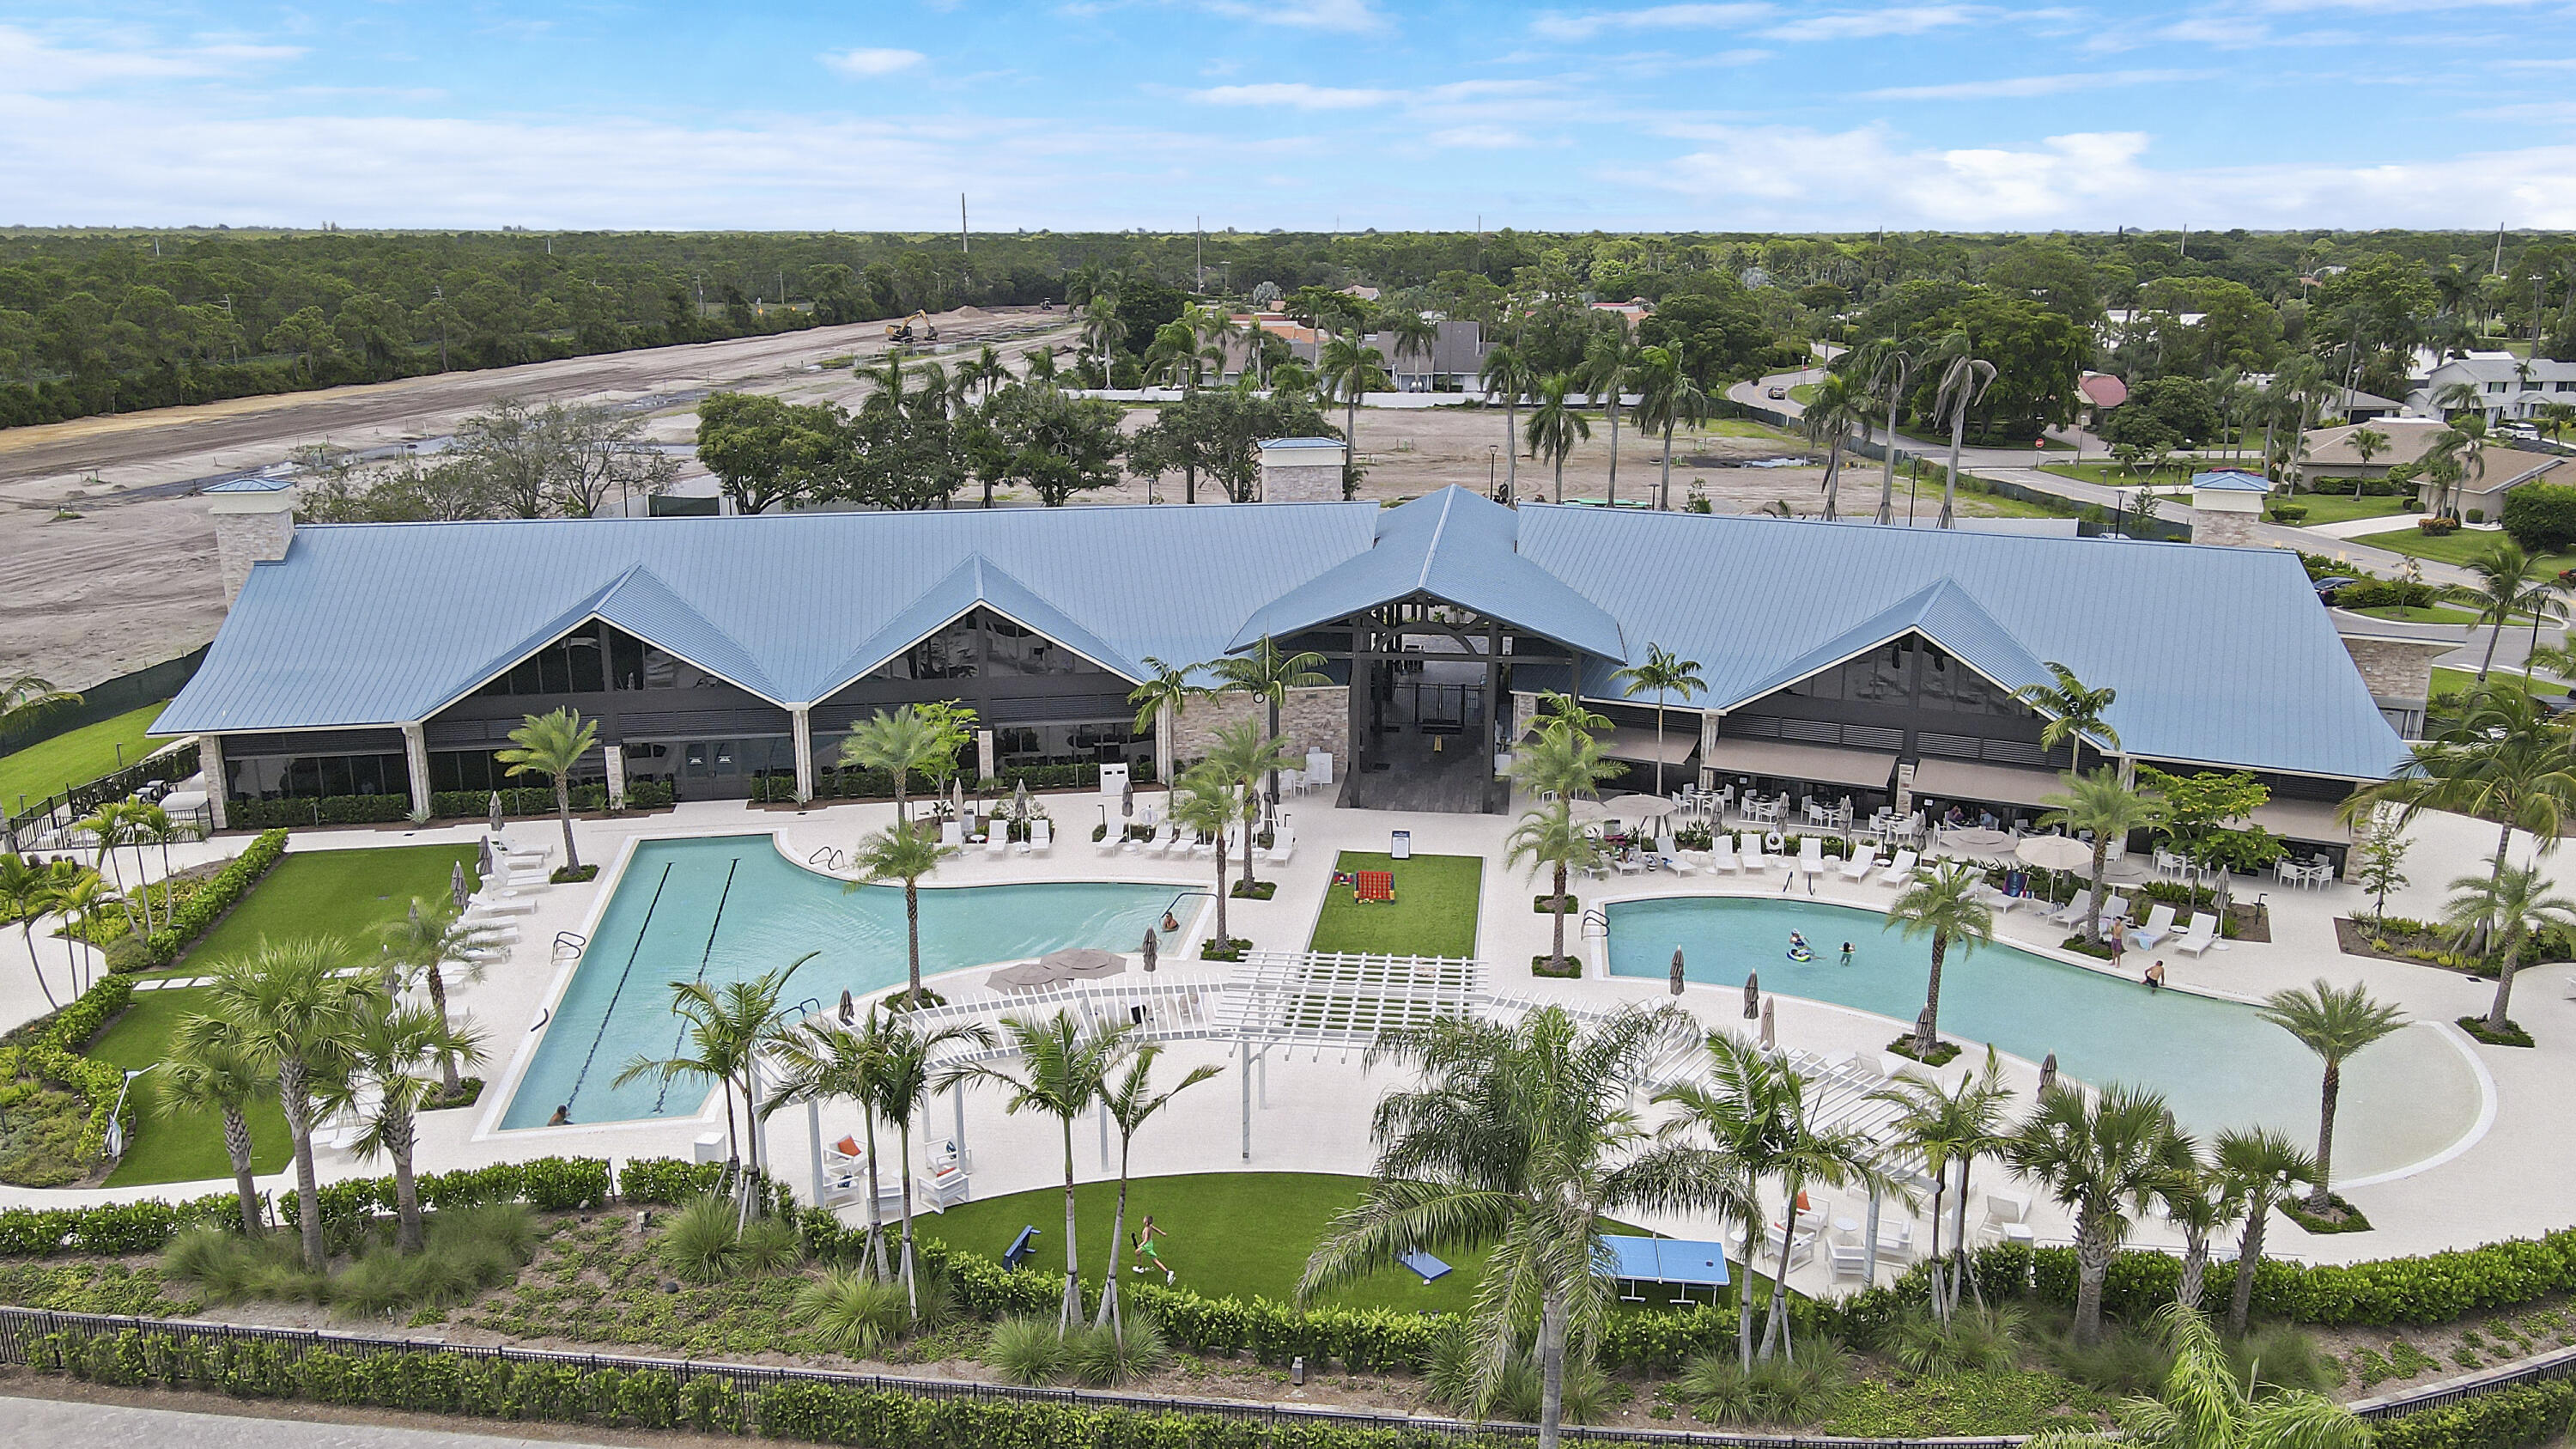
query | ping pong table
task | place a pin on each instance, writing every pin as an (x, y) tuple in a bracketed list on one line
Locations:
[(1676, 1263)]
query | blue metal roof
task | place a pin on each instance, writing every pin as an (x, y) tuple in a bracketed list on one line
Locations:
[(2231, 480), (255, 483), (1299, 443), (2220, 655)]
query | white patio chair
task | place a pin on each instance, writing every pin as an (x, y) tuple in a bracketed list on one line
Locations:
[(952, 833), (1849, 1260), (1811, 857), (1748, 848), (2160, 924), (2200, 935), (1899, 870), (1721, 853), (1283, 845), (1041, 836), (1674, 860), (2071, 914), (1857, 864), (1108, 843)]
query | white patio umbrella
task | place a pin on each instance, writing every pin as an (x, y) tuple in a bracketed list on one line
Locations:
[(1026, 976), (1582, 810), (1083, 961), (2055, 852), (1640, 808)]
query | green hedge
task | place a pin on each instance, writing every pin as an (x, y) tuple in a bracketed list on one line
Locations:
[(110, 1230), (520, 801), (2509, 1418), (2541, 516), (49, 1048), (307, 810), (198, 913), (517, 802), (2434, 1288)]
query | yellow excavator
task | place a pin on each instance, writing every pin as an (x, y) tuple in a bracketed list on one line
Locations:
[(916, 328)]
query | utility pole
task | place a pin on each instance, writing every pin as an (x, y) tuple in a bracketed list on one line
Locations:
[(1200, 224), (2498, 269), (2186, 241), (961, 223)]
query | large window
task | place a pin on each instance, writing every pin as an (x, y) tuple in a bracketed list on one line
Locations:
[(284, 777), (594, 659), (478, 770), (983, 644), (1909, 673), (1021, 746)]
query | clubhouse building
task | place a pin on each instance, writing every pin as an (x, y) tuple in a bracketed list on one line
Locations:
[(721, 654)]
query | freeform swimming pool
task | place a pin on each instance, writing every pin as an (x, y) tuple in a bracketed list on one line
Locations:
[(727, 908), (2218, 1063)]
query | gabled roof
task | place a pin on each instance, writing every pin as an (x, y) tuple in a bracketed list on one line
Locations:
[(980, 581), (1456, 547), (2231, 480), (1943, 613), (255, 483)]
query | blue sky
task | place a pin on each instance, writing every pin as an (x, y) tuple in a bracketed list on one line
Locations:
[(1298, 113)]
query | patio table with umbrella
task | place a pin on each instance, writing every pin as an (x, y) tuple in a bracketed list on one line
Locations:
[(1639, 808), (2055, 853), (1976, 840)]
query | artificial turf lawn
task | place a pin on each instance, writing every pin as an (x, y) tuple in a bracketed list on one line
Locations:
[(188, 1147), (345, 893), (48, 767), (1433, 913), (2455, 681)]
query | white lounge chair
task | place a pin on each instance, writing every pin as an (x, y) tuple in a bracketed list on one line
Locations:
[(1283, 846), (2200, 935), (1811, 857), (1900, 870), (1857, 864), (952, 834), (2114, 911), (997, 838), (1721, 853), (1041, 836), (1748, 848), (2071, 914), (2160, 924), (1109, 842), (1672, 857)]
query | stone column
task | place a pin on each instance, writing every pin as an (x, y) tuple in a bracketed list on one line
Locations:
[(210, 758), (1166, 724), (984, 762), (800, 729), (613, 755), (416, 764), (1708, 749)]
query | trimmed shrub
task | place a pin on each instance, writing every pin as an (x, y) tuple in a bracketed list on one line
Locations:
[(2541, 516), (197, 914)]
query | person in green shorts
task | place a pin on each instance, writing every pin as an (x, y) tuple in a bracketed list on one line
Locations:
[(1143, 1238)]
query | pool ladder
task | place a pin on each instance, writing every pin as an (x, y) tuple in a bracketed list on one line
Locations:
[(1596, 923), (829, 857), (569, 945)]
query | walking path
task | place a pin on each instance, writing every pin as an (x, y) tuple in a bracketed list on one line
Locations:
[(119, 1426)]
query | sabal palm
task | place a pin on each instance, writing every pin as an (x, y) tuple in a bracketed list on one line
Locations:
[(2074, 711), (1941, 903), (1609, 366), (1667, 674), (211, 1074), (25, 696), (1559, 758), (897, 1067), (2511, 585), (1950, 1125), (1840, 404), (723, 1030), (1203, 803), (26, 895), (1065, 1066), (2335, 1023), (2265, 1167), (1547, 838), (384, 1077), (1554, 425), (1347, 368), (2197, 1196), (1519, 1136), (900, 742), (1667, 397), (424, 945), (1242, 755), (902, 854), (1265, 670), (292, 1005), (1506, 375), (2506, 908), (553, 744), (2101, 1157), (2206, 1404), (1131, 1102), (2103, 804)]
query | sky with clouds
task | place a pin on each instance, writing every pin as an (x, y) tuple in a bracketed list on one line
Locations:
[(1084, 114)]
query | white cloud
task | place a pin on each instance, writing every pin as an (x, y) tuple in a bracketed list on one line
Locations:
[(31, 64), (2019, 87), (1478, 138), (1294, 95), (1873, 24), (2225, 31), (1562, 25), (1354, 16), (870, 61)]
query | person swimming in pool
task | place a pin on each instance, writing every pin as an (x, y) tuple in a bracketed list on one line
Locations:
[(1799, 950), (1847, 953)]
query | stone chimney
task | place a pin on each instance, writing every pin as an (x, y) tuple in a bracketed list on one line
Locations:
[(2225, 506), (254, 523), (1301, 470)]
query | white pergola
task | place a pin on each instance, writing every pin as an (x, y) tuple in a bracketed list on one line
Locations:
[(1336, 1001)]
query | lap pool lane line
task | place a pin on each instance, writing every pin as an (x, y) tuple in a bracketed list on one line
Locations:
[(631, 953), (704, 957)]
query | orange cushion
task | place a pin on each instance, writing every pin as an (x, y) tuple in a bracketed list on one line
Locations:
[(1803, 1205), (847, 1147)]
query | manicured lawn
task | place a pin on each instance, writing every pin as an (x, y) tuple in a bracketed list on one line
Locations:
[(2112, 475), (1803, 394), (2343, 507), (189, 1147), (2453, 681), (48, 767), (1433, 913), (346, 893), (1737, 428), (2408, 613), (2456, 547)]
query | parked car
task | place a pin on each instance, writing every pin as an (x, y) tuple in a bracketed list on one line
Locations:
[(1777, 392), (2330, 586)]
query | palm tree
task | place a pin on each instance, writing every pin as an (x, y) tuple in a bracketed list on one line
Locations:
[(1241, 756), (2506, 908), (1666, 675), (1609, 365), (293, 1006), (2555, 418), (725, 1029), (81, 898), (2199, 1197), (2102, 1157), (906, 855), (2103, 804), (1041, 365), (820, 1060), (1507, 376), (1756, 1112), (1561, 757), (898, 1068), (1667, 397), (2499, 759), (25, 696), (1102, 330), (210, 1074), (1942, 904), (26, 895), (1519, 1136), (1202, 802), (2075, 712), (2367, 443), (387, 1054), (1348, 369), (553, 744), (1554, 425), (1173, 355), (2265, 1167), (1839, 405), (1264, 671), (1065, 1068), (1159, 702), (431, 938), (153, 826), (2454, 455), (1887, 378), (2510, 584), (1413, 335), (2335, 1024), (1950, 1126), (106, 826), (1548, 838), (1131, 1102), (900, 742), (2205, 1404), (1963, 381)]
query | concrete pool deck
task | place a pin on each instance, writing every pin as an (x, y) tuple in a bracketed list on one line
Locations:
[(2507, 1179)]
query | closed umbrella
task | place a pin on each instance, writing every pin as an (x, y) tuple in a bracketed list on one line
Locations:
[(1127, 801), (496, 812), (1020, 798), (1153, 945), (957, 797), (456, 887), (1084, 961), (1752, 994), (484, 865), (1677, 971), (1770, 1031), (2048, 1072)]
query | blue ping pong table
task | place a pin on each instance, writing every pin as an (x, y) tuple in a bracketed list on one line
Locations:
[(1677, 1263)]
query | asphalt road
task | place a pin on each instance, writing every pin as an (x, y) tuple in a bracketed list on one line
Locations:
[(115, 1426)]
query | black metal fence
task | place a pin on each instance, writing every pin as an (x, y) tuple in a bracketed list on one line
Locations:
[(22, 820), (2558, 1363), (108, 699)]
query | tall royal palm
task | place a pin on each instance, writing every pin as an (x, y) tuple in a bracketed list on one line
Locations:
[(906, 855), (1131, 1101), (1667, 397), (1839, 405), (2512, 585), (2075, 712), (723, 1030), (1891, 367), (821, 1060), (1065, 1065), (1666, 674), (1941, 903), (1203, 803), (206, 1073), (1964, 379), (1159, 702), (1505, 375), (383, 1080), (2336, 1024), (553, 745), (1547, 838), (2265, 1167), (1268, 672), (1609, 368), (293, 1005), (1554, 425), (2102, 1157), (1348, 368), (1519, 1137), (901, 742), (2505, 910), (432, 939), (2102, 804)]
